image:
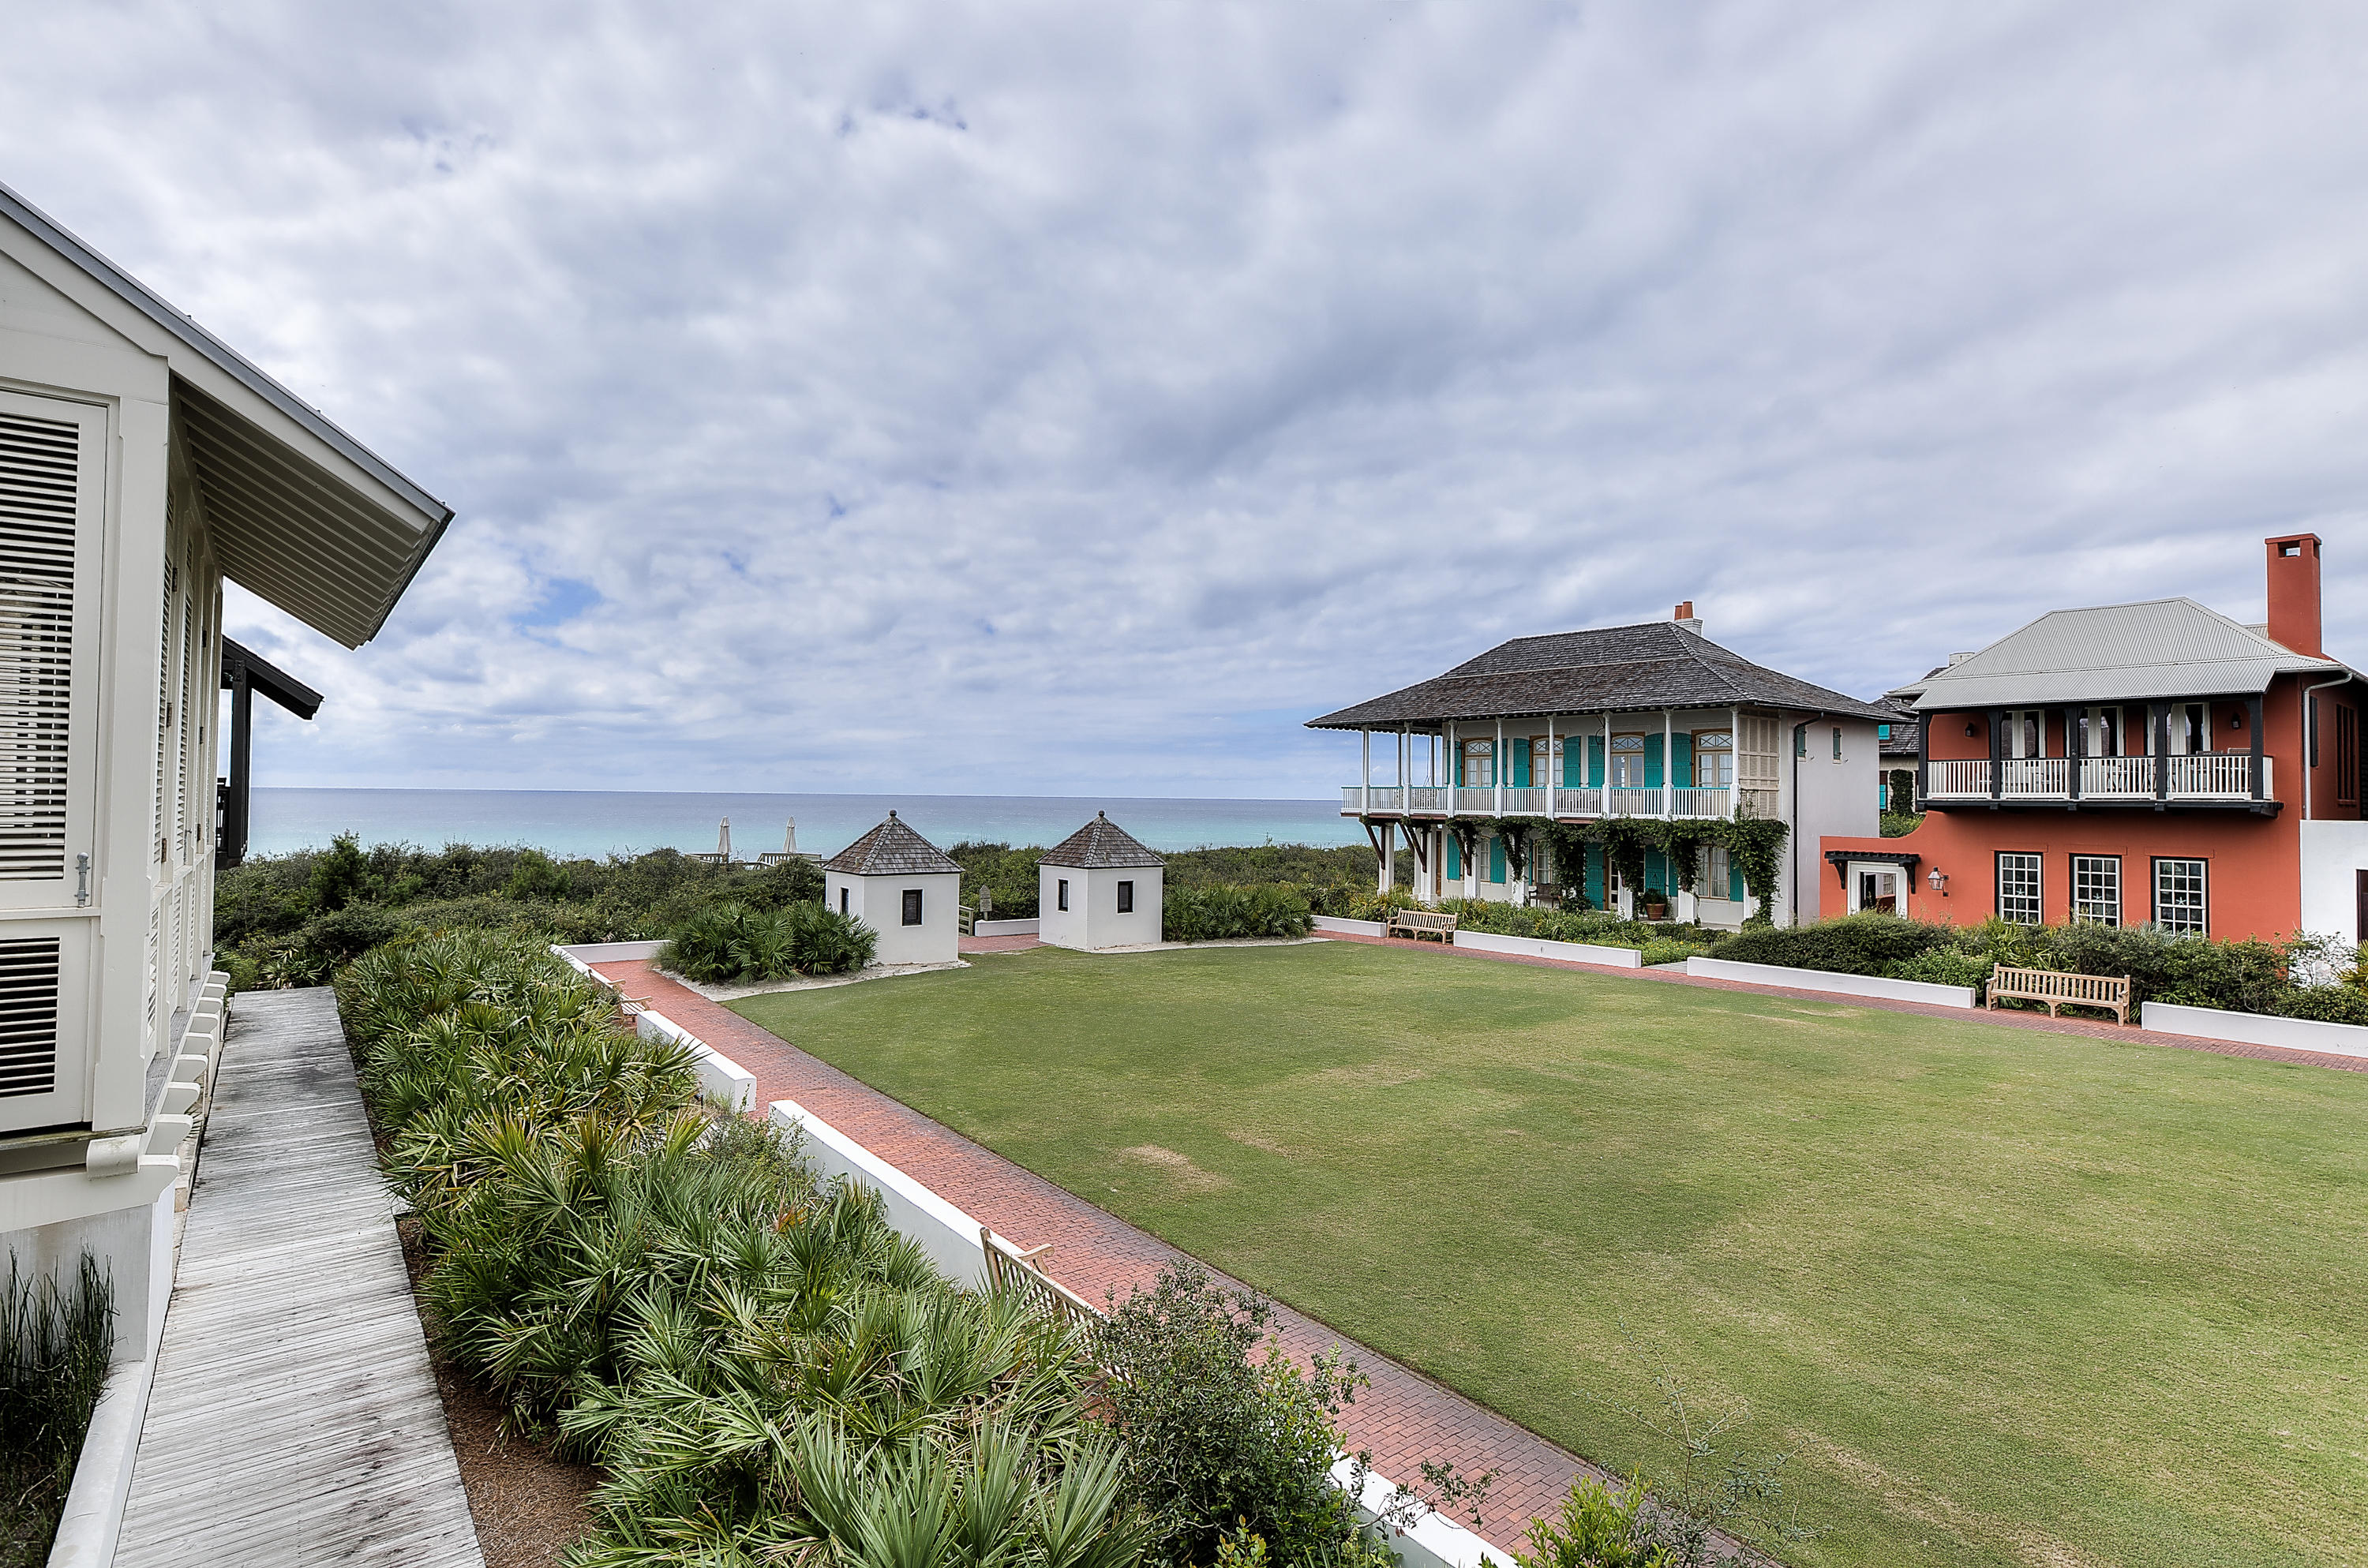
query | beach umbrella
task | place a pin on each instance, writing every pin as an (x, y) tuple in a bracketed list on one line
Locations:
[(723, 841)]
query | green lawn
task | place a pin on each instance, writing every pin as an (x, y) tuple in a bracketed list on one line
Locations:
[(2008, 1297)]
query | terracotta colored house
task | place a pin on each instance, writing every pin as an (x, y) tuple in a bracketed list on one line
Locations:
[(2133, 763)]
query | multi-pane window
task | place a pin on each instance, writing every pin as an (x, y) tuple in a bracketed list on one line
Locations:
[(2097, 888), (1479, 765), (2018, 888), (2179, 895)]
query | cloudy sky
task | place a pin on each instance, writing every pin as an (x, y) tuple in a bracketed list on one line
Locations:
[(1046, 397)]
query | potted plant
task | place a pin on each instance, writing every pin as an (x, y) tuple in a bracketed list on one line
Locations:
[(1656, 907)]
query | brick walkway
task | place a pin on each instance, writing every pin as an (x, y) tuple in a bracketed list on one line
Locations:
[(1015, 944), (2092, 1028), (1403, 1419)]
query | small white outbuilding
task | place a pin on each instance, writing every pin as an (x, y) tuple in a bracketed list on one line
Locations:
[(1099, 888), (902, 886)]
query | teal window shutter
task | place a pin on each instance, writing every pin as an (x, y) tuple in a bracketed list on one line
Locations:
[(1734, 881), (1454, 860), (1652, 762), (1595, 762), (1681, 754), (1593, 875), (1496, 859)]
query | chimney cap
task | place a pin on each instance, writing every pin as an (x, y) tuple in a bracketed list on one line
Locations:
[(1683, 612)]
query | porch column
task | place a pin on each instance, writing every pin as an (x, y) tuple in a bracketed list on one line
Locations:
[(1553, 783), (1389, 857), (1669, 764), (2160, 712), (1496, 768), (2075, 747), (1449, 750), (1605, 803), (1997, 753), (1365, 791), (1735, 762), (2253, 713)]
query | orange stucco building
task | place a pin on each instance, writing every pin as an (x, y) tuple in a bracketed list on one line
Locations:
[(2133, 763)]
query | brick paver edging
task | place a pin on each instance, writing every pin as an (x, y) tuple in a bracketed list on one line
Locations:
[(1403, 1419), (2093, 1030)]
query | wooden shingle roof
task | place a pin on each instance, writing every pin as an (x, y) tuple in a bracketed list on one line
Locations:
[(1610, 669), (1099, 844), (891, 850)]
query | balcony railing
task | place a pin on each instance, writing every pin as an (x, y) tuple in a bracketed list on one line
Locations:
[(1704, 802), (2208, 776)]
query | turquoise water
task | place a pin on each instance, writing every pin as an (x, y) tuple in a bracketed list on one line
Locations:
[(597, 822)]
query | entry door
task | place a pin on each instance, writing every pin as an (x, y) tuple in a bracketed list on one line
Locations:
[(52, 474)]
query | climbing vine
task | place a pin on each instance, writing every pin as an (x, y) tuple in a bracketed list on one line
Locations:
[(1754, 846)]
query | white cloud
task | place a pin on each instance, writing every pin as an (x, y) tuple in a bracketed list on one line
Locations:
[(1054, 397)]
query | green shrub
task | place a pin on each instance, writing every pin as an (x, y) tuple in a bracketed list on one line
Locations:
[(2326, 1003), (1598, 926), (1223, 913), (731, 944), (55, 1345), (1898, 824), (1945, 966), (1855, 944), (1006, 874), (1217, 1443), (1597, 1527)]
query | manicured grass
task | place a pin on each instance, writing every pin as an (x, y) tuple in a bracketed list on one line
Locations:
[(2007, 1296)]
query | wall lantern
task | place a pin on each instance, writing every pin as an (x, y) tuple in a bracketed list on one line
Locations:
[(1969, 729), (2236, 720), (1940, 882)]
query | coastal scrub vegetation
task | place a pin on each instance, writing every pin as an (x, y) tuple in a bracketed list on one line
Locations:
[(727, 944), (56, 1340), (1007, 873), (294, 919)]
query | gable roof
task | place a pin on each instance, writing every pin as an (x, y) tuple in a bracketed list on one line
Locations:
[(1615, 669), (891, 850), (1098, 846), (299, 512), (2116, 652)]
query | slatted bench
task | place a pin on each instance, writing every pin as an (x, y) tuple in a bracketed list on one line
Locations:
[(2057, 990), (1414, 922)]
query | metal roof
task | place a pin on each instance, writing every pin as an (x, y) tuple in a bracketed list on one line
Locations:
[(1100, 844), (891, 850), (302, 514), (1610, 669), (2159, 648)]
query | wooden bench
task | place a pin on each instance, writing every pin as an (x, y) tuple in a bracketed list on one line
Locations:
[(1414, 922), (2059, 990)]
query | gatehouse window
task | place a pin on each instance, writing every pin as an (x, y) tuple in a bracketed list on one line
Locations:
[(1126, 898), (912, 906)]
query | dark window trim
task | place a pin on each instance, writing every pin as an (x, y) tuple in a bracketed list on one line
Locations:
[(1060, 893), (912, 910), (1126, 898)]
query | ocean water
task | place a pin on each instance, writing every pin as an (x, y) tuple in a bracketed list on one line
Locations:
[(598, 822)]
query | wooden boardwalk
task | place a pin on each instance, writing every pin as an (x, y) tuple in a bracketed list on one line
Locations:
[(294, 1418)]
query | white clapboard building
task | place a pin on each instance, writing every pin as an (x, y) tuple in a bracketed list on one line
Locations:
[(143, 461)]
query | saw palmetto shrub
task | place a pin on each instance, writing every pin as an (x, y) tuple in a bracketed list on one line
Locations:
[(1225, 911), (731, 944), (764, 1369)]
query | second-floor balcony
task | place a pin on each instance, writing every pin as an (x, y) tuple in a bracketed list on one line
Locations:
[(2206, 779), (1433, 800)]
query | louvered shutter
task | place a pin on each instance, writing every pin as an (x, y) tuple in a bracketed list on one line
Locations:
[(52, 469)]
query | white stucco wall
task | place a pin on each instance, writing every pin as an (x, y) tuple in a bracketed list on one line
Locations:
[(2333, 854), (879, 903), (1834, 798), (1092, 919)]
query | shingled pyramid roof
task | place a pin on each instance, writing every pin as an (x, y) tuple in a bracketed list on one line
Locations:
[(891, 850), (1101, 844)]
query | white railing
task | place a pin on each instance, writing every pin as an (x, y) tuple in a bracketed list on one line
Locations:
[(1429, 797), (2208, 776), (1529, 802), (1578, 802), (2111, 777), (1700, 801), (1624, 802), (1476, 803)]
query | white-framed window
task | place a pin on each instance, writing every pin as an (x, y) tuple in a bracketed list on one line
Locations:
[(2097, 888), (2018, 888), (1878, 890), (1126, 898), (2180, 895), (1479, 765), (1628, 762), (1717, 875), (1714, 759), (2025, 735)]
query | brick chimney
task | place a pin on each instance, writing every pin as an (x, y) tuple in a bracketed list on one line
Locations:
[(2294, 593)]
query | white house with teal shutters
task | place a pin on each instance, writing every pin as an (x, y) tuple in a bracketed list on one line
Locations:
[(143, 463), (1649, 720)]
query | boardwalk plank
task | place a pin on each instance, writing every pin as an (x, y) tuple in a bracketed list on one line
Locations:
[(294, 1419)]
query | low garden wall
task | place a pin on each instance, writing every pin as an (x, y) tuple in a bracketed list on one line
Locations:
[(1832, 983), (1540, 947), (1027, 927), (721, 1079), (950, 1237), (1348, 927), (2256, 1028)]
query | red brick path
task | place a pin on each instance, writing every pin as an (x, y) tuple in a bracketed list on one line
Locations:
[(2093, 1029), (1403, 1419)]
